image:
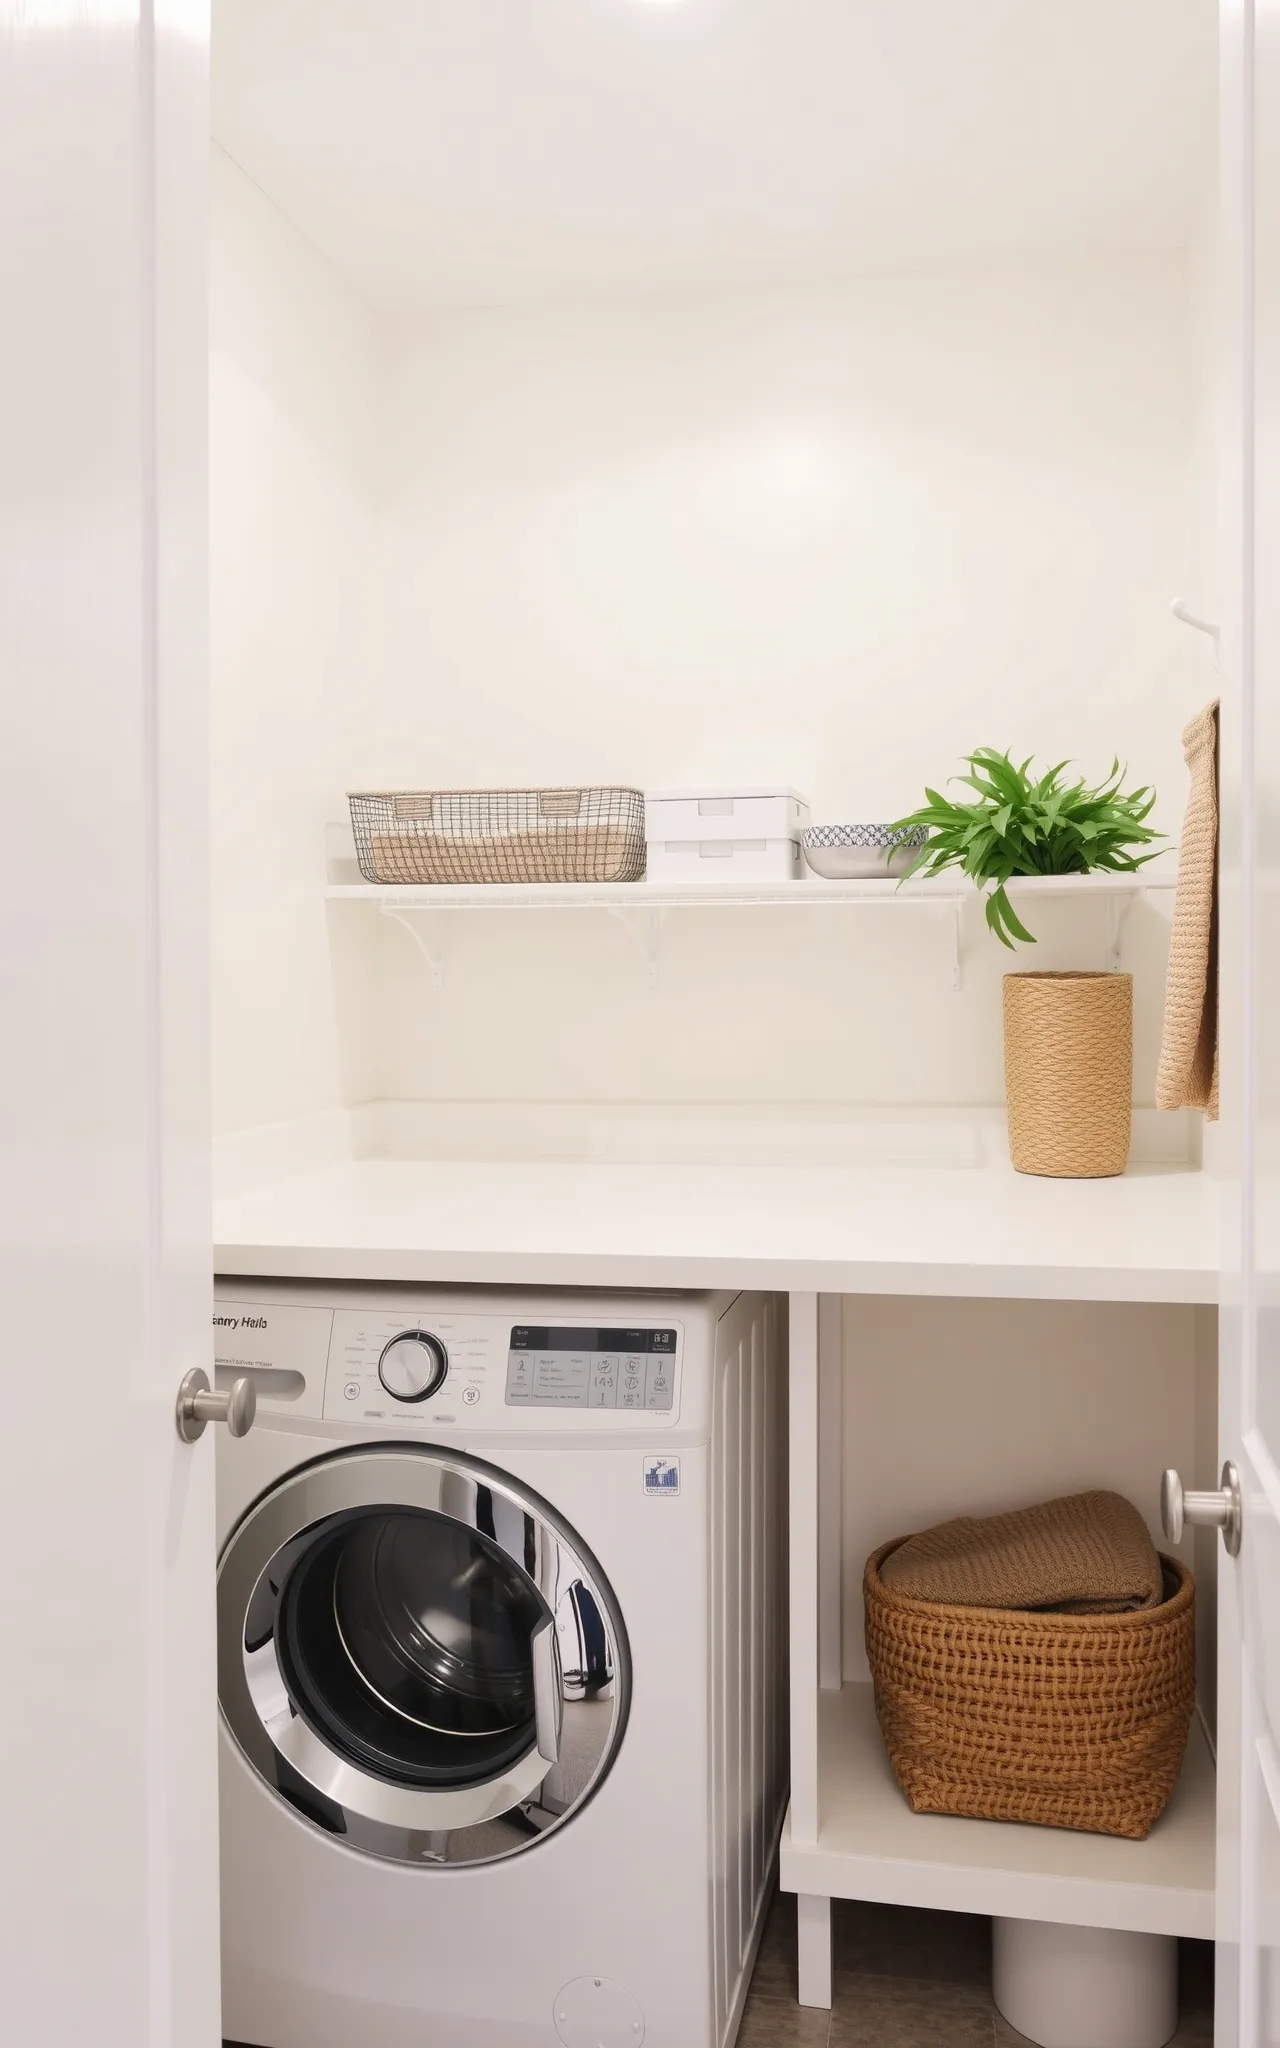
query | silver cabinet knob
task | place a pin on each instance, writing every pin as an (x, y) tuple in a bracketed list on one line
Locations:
[(198, 1404), (1219, 1510)]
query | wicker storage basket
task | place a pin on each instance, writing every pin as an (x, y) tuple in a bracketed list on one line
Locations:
[(1068, 1068), (499, 835), (1068, 1720)]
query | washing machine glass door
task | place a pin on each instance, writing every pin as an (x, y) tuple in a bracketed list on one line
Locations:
[(419, 1656)]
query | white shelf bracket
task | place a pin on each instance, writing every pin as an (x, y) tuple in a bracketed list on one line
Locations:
[(1182, 611), (411, 922), (1119, 909), (645, 927), (957, 929)]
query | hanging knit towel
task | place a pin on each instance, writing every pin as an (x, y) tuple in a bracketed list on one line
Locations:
[(1089, 1553), (1188, 1073)]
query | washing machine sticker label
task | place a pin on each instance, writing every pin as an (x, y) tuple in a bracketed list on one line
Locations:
[(662, 1477)]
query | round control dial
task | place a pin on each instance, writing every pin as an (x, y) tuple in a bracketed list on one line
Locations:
[(413, 1365)]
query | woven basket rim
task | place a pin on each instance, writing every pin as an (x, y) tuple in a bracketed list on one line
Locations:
[(1067, 974), (512, 789), (1028, 1617)]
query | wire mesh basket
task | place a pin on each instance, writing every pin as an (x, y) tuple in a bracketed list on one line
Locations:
[(499, 835)]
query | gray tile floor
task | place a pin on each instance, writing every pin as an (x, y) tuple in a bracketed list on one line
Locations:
[(904, 1979)]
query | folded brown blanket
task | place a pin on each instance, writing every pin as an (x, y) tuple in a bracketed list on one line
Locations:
[(1088, 1553)]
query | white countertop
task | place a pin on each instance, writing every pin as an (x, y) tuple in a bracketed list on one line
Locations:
[(943, 1230)]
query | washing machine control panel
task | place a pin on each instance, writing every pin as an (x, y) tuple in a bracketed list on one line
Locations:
[(382, 1365), (566, 1366)]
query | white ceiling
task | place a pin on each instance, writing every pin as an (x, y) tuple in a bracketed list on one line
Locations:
[(453, 152)]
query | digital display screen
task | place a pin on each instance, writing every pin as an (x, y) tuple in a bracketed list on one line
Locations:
[(544, 1337)]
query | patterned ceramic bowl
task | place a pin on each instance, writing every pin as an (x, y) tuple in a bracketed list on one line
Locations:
[(863, 853)]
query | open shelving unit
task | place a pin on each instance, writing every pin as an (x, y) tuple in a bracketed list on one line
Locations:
[(849, 1832)]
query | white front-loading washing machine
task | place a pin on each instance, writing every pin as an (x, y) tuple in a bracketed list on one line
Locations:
[(501, 1655)]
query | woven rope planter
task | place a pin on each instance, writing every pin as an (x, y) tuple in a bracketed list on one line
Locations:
[(1068, 1069), (1067, 1720)]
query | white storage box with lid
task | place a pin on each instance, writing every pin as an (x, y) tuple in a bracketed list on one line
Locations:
[(724, 835)]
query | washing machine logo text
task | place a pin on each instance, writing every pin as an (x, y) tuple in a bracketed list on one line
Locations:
[(662, 1477), (239, 1322)]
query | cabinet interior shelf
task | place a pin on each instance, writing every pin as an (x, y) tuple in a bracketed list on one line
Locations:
[(871, 1846)]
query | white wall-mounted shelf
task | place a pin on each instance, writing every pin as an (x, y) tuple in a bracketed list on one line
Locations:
[(644, 905), (718, 895), (871, 1846)]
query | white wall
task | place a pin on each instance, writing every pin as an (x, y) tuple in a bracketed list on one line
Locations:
[(1205, 592), (1027, 1401), (1024, 1404), (292, 402), (831, 537)]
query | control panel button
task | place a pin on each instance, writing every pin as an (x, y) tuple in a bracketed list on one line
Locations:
[(352, 1390), (413, 1366), (659, 1383), (604, 1381), (471, 1395)]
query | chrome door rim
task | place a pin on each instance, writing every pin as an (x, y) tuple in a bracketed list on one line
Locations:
[(453, 1825)]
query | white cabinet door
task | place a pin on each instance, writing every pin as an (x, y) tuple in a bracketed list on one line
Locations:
[(1249, 1663), (108, 1933)]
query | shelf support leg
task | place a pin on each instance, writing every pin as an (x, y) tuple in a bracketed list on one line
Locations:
[(816, 1443), (1118, 909), (803, 1455), (957, 956), (645, 927), (813, 1950), (433, 958), (814, 1384), (830, 1491)]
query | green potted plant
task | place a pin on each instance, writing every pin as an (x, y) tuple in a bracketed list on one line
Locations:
[(1068, 1038)]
